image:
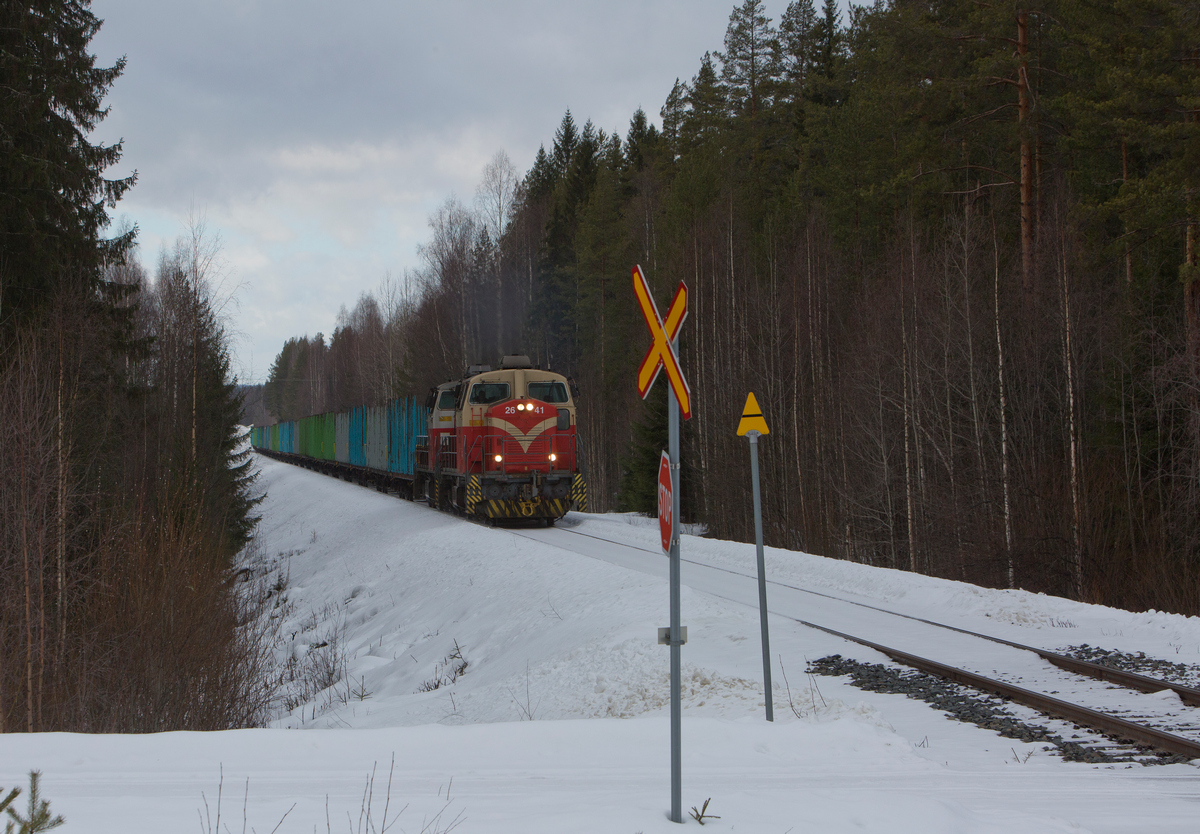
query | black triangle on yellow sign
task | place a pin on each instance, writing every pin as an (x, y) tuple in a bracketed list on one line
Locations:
[(752, 418)]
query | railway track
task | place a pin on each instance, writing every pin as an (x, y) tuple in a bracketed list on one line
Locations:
[(1124, 732)]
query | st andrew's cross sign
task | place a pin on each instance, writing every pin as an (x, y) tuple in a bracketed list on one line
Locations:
[(662, 352), (662, 355)]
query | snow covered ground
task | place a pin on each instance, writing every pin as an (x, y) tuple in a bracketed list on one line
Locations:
[(558, 721)]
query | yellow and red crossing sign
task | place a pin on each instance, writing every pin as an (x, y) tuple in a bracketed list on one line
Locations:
[(662, 355), (662, 352)]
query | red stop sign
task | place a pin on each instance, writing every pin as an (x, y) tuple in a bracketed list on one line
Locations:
[(666, 518)]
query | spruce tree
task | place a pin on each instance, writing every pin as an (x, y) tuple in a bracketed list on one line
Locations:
[(672, 114), (706, 105), (640, 130), (53, 193), (829, 38), (541, 179), (565, 140)]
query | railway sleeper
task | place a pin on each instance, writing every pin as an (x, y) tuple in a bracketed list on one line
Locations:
[(986, 710)]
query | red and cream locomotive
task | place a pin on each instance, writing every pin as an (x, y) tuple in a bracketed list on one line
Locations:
[(502, 444)]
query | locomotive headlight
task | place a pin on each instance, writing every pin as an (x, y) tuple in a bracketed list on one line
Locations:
[(553, 457), (520, 406), (499, 458)]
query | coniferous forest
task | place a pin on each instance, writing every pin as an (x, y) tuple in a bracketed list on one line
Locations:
[(124, 497), (950, 246)]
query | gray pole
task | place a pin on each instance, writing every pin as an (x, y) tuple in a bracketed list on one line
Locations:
[(762, 577), (676, 641)]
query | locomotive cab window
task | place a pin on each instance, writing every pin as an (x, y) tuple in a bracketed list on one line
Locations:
[(486, 393), (447, 399), (547, 392)]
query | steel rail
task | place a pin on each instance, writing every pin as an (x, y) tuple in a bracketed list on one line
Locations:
[(1121, 677), (1109, 725)]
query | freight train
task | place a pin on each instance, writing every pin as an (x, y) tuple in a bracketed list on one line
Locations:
[(495, 444)]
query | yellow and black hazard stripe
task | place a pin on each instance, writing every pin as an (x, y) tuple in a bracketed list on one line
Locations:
[(474, 493), (579, 493)]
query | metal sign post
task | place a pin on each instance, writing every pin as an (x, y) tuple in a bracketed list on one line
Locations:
[(752, 425), (663, 353), (676, 637)]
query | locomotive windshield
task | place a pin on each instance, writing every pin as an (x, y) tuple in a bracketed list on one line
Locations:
[(547, 392), (486, 393), (447, 399)]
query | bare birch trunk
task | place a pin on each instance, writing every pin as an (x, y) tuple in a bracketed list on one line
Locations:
[(1192, 317), (976, 420), (61, 543), (26, 513), (815, 387), (851, 551), (946, 372), (797, 446), (1068, 363), (195, 352), (1027, 170), (1128, 250), (1008, 535), (908, 477), (3, 709), (887, 476), (922, 501)]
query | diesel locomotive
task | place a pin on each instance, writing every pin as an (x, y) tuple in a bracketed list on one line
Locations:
[(496, 444)]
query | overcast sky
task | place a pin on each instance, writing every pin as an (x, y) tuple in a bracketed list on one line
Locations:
[(316, 138)]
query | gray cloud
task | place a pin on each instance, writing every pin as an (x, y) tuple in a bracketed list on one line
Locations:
[(317, 137)]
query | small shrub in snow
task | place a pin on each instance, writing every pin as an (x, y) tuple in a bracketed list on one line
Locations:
[(447, 672), (526, 707), (360, 692), (371, 818), (702, 815), (317, 668)]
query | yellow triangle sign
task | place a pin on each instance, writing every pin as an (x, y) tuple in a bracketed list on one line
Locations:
[(752, 418)]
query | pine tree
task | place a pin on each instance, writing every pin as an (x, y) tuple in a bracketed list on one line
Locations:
[(750, 60), (53, 195), (798, 46)]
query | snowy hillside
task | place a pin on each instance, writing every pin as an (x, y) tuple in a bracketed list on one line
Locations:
[(519, 687)]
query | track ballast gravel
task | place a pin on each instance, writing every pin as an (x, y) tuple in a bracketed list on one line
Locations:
[(972, 706)]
